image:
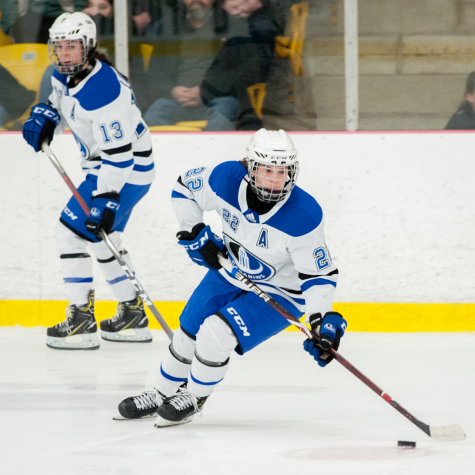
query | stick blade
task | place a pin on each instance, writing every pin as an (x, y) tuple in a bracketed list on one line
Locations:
[(452, 432)]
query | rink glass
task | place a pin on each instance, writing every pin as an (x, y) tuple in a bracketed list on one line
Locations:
[(414, 59)]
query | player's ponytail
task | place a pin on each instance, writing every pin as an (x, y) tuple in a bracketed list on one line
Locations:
[(100, 55)]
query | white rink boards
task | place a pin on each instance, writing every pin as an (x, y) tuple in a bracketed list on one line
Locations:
[(399, 211)]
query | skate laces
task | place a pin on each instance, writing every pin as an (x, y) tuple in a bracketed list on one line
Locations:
[(119, 312), (66, 324), (121, 307), (184, 399), (147, 399)]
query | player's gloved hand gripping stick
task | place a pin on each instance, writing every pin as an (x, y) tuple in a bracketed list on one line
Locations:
[(202, 246), (451, 432), (138, 287), (40, 126), (329, 328)]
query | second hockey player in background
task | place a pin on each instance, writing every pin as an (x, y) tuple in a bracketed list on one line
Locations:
[(98, 105)]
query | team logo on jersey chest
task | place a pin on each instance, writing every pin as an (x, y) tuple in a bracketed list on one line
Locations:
[(250, 265)]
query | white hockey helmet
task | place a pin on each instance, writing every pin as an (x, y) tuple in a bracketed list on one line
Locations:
[(275, 150), (72, 26)]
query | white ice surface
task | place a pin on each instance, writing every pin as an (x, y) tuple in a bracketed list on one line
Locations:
[(276, 412)]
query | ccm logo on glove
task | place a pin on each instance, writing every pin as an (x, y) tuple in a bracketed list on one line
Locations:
[(49, 113), (111, 205), (40, 126), (202, 246), (198, 244)]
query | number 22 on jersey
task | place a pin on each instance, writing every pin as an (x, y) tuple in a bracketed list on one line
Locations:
[(322, 258)]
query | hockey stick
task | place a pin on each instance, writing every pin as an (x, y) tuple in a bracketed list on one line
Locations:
[(451, 432), (128, 272)]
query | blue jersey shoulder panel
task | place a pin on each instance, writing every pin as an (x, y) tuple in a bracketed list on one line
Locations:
[(300, 215), (63, 79), (100, 90), (225, 180)]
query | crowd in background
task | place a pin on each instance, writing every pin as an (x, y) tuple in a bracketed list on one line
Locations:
[(206, 53), (204, 58)]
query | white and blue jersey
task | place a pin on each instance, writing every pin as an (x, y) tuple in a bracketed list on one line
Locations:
[(283, 250), (115, 143), (114, 140)]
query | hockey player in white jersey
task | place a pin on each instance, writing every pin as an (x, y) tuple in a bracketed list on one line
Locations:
[(98, 105), (273, 232)]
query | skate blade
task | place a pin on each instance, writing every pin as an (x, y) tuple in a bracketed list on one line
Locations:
[(118, 417), (161, 423), (86, 341), (131, 335)]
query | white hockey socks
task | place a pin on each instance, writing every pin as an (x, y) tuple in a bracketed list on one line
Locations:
[(120, 284), (175, 367), (77, 277), (214, 343), (76, 265)]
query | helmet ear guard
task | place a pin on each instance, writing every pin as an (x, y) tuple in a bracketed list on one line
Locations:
[(273, 150), (72, 27)]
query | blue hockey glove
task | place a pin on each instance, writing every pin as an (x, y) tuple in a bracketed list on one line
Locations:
[(202, 246), (330, 329), (40, 126), (103, 211)]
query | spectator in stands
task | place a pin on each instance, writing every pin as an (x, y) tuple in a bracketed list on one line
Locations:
[(464, 118), (102, 12), (29, 21), (181, 76), (245, 60), (241, 8), (104, 8), (15, 99), (145, 16)]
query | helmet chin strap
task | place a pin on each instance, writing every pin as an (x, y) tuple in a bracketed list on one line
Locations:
[(80, 75), (256, 203), (83, 73)]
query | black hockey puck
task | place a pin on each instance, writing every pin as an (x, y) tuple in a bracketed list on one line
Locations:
[(406, 443)]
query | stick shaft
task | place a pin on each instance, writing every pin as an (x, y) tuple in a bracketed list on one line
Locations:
[(310, 334), (47, 150), (128, 272)]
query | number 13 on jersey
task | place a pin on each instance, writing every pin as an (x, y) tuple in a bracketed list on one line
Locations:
[(116, 131)]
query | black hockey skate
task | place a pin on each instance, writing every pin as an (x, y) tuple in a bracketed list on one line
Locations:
[(78, 331), (143, 406), (129, 325), (179, 409)]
